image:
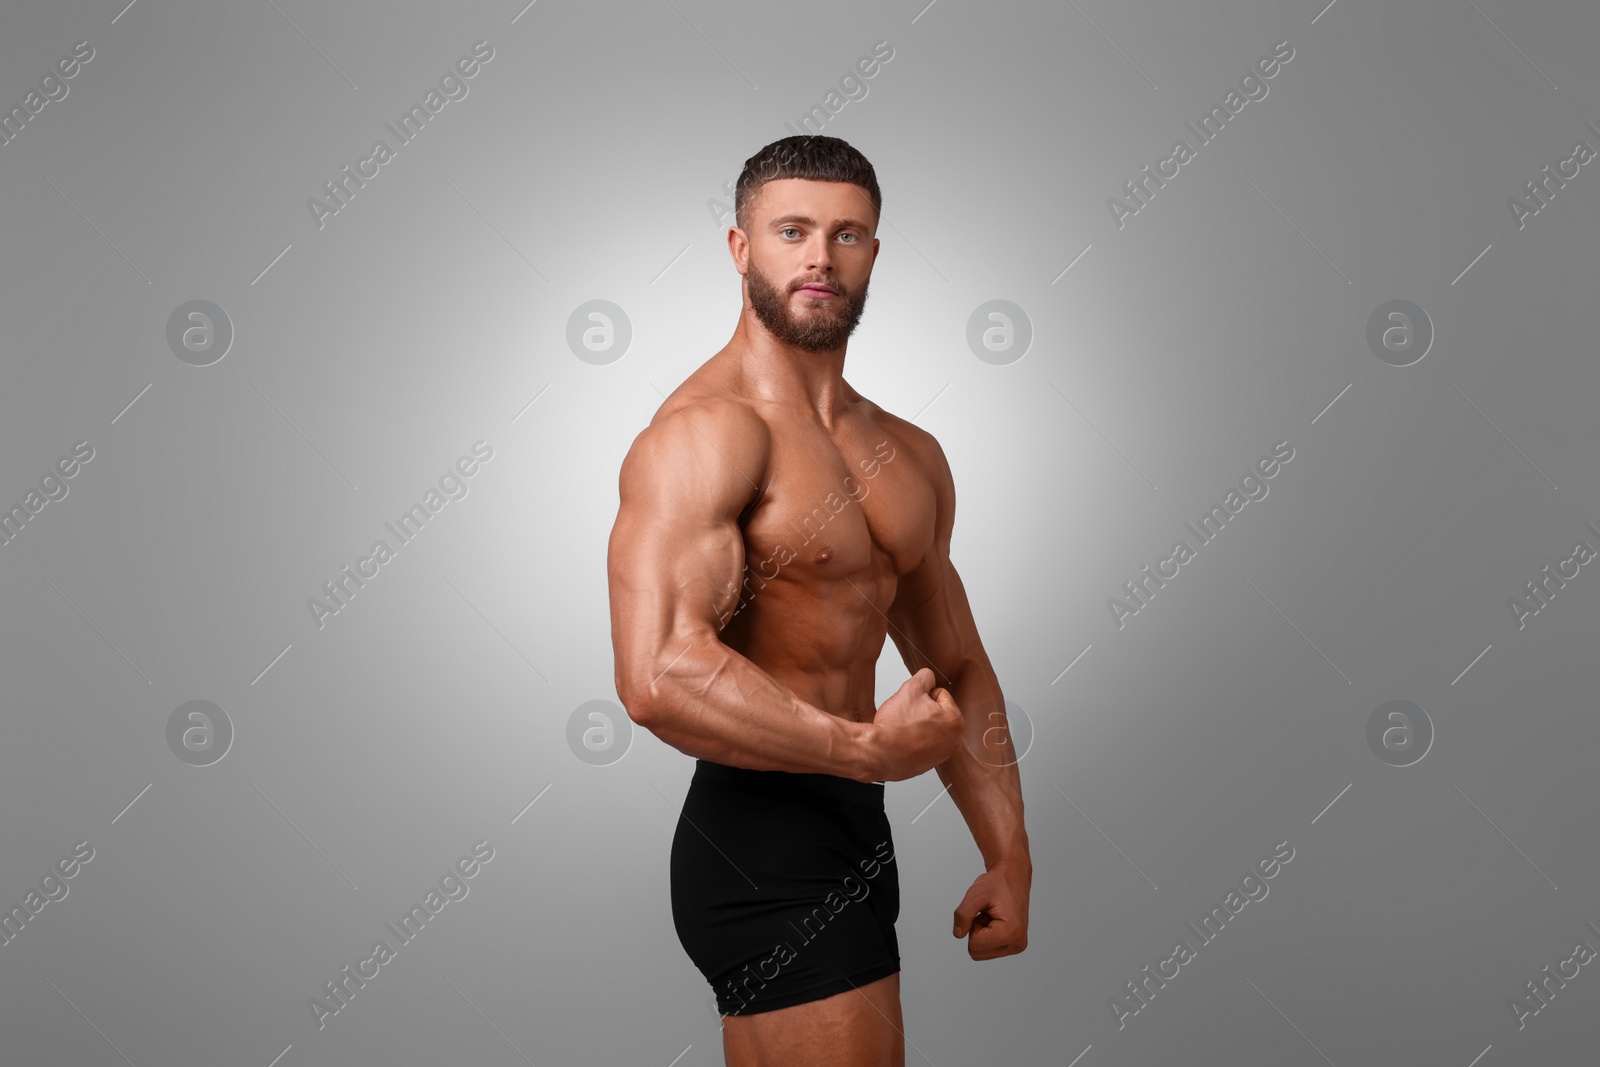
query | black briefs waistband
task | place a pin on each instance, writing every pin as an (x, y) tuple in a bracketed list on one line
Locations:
[(777, 783)]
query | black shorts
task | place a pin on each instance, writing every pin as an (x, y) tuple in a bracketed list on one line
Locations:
[(784, 887)]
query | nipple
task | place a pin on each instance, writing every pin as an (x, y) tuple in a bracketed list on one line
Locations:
[(824, 554)]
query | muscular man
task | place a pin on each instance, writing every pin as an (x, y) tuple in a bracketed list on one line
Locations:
[(774, 526)]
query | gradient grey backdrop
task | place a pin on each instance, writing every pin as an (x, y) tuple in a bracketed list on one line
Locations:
[(1229, 314)]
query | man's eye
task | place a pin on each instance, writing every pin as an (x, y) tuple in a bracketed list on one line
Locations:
[(849, 235), (788, 229)]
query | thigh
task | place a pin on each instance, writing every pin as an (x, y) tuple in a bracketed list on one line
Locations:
[(857, 1028)]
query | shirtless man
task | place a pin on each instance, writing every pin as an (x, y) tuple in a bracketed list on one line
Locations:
[(774, 526)]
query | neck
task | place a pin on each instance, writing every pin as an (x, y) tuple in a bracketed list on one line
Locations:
[(785, 375)]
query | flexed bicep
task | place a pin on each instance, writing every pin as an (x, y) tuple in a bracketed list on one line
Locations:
[(676, 555)]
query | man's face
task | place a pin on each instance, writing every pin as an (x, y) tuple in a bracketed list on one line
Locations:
[(810, 257)]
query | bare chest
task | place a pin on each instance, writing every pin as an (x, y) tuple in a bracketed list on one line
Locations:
[(835, 509)]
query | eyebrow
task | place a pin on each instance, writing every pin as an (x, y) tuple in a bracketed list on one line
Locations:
[(784, 220)]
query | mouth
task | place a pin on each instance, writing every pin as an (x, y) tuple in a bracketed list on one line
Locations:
[(817, 290)]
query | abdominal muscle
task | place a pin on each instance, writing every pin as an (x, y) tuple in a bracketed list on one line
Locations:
[(820, 641)]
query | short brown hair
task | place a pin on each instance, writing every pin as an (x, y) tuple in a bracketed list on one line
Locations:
[(812, 156)]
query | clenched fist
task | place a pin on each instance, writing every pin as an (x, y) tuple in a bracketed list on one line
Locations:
[(915, 729)]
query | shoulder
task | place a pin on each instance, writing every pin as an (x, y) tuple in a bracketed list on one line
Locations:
[(724, 417), (698, 440), (919, 443)]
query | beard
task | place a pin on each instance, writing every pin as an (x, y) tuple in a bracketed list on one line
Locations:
[(821, 327)]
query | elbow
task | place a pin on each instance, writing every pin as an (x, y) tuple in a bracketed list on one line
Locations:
[(647, 688), (645, 703)]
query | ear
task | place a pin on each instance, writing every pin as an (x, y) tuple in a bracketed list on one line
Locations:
[(739, 248)]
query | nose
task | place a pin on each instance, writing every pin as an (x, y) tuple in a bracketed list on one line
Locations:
[(819, 253)]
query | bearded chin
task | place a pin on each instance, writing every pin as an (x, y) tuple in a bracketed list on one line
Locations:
[(821, 332)]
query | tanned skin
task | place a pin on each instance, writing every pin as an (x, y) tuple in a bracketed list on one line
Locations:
[(763, 436)]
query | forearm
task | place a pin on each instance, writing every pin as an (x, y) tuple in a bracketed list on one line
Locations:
[(714, 704), (982, 773)]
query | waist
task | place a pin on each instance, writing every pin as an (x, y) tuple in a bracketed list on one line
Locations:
[(830, 787)]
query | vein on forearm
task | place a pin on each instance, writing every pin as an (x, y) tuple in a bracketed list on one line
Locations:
[(988, 795)]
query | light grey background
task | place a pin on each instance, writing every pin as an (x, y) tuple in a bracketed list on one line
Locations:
[(368, 355)]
